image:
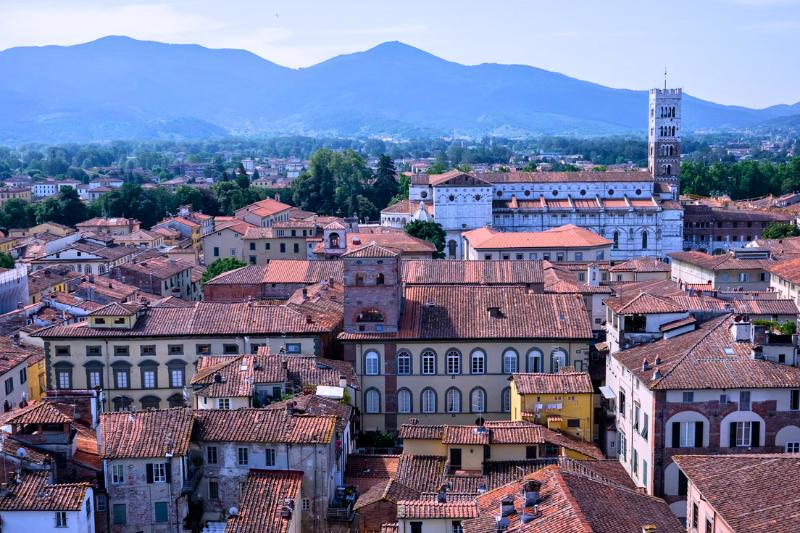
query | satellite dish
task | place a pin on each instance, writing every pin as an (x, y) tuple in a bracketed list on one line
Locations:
[(233, 511)]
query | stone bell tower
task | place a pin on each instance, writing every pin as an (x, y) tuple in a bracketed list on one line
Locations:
[(664, 137)]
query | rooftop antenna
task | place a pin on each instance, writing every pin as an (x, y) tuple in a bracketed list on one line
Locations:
[(665, 77)]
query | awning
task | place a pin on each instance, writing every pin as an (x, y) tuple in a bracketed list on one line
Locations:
[(607, 393)]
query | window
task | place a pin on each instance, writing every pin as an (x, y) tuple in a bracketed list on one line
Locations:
[(223, 403), (456, 527), (371, 360), (9, 386), (100, 503), (203, 349), (148, 350), (645, 425), (535, 361), (176, 378), (93, 351), (161, 511), (292, 347), (559, 359), (622, 446), (62, 351), (159, 472), (578, 256), (283, 247), (506, 400), (428, 362), (269, 456), (452, 400), (744, 400), (61, 519), (306, 504), (688, 396), (404, 363), (117, 474), (253, 246), (267, 246), (404, 401), (615, 246), (213, 489), (709, 526), (453, 362), (121, 351), (477, 401), (644, 240), (230, 349), (695, 515), (634, 461), (177, 349), (211, 455), (120, 514), (509, 361), (149, 379), (531, 452), (687, 434), (644, 473), (794, 400), (683, 483), (621, 404), (478, 362), (428, 401), (372, 401), (416, 527), (242, 456), (216, 251), (122, 379), (745, 433), (792, 447)]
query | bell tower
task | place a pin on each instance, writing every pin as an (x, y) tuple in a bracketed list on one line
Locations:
[(371, 290), (664, 137)]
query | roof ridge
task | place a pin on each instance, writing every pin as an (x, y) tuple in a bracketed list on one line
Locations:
[(692, 347)]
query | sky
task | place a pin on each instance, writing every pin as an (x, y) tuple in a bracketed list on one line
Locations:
[(743, 52)]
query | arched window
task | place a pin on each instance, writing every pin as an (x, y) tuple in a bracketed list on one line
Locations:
[(616, 240), (428, 401), (370, 315), (451, 249), (428, 362), (122, 403), (359, 279), (452, 400), (509, 361), (101, 269), (150, 402), (379, 280), (505, 402), (404, 363), (453, 362), (176, 400), (371, 363), (558, 358), (404, 402), (535, 360), (87, 269), (478, 362), (477, 400), (644, 240), (372, 401), (669, 170), (333, 240)]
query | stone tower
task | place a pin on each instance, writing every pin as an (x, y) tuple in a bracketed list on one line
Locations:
[(664, 137), (371, 290)]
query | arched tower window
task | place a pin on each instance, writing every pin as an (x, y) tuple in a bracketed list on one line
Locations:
[(372, 401), (616, 240), (428, 400), (371, 363), (380, 279), (359, 279), (644, 240)]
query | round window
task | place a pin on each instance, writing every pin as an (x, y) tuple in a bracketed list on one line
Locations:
[(555, 192), (451, 198), (527, 193), (583, 192), (499, 193), (611, 192), (424, 194), (477, 197), (638, 192)]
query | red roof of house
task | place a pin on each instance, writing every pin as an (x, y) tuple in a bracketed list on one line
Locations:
[(262, 501)]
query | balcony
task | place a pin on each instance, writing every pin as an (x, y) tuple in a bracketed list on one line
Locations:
[(340, 508)]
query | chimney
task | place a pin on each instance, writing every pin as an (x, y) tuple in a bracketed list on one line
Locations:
[(649, 528), (657, 374), (740, 329), (305, 293), (330, 282), (645, 365), (758, 335), (441, 496), (309, 319), (342, 382), (658, 360), (530, 491), (507, 506)]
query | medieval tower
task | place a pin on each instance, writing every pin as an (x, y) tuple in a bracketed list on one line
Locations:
[(664, 137)]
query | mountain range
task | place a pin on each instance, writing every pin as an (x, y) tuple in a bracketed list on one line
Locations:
[(122, 88)]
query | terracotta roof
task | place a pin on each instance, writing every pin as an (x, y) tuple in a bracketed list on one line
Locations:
[(301, 271), (429, 508), (335, 225), (765, 307), (49, 277), (706, 358), (407, 207), (389, 490), (104, 222), (311, 404), (560, 383), (42, 412), (640, 264), (224, 376), (545, 177), (264, 425), (495, 312), (365, 471), (158, 268), (117, 309), (788, 269), (370, 250), (568, 236), (11, 447), (393, 239), (12, 355), (149, 433), (643, 303), (390, 528), (480, 272), (721, 262), (262, 501), (675, 324), (562, 280), (235, 225), (745, 490), (423, 473), (267, 207), (247, 275), (34, 493), (213, 318), (574, 503)]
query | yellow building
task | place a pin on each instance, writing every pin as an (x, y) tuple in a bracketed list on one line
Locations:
[(7, 243), (562, 401), (36, 378), (20, 193)]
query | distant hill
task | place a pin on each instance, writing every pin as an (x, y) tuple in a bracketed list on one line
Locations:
[(117, 87)]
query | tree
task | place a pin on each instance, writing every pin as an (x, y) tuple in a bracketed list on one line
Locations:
[(385, 186), (242, 180), (429, 231), (530, 166), (402, 193), (779, 230), (18, 214), (219, 266), (6, 261), (438, 167)]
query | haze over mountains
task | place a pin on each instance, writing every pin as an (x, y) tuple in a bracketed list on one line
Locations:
[(121, 88)]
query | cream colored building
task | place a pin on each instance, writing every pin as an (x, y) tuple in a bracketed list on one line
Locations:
[(564, 243)]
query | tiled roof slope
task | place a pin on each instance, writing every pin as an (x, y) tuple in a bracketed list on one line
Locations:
[(301, 271), (14, 354), (223, 376), (264, 425), (262, 501), (474, 312), (560, 383), (721, 262), (428, 507), (34, 493), (311, 404), (41, 412), (371, 250), (390, 490), (455, 271), (210, 318), (246, 275), (150, 433), (788, 269), (642, 304), (706, 358), (640, 264), (745, 489), (565, 236), (570, 502)]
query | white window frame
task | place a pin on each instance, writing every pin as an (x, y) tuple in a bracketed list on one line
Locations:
[(428, 363), (159, 472), (453, 358), (404, 363), (243, 453), (63, 379), (452, 400), (176, 372), (478, 362), (792, 447), (428, 400), (510, 360), (371, 363), (372, 401), (687, 434), (224, 403), (744, 434), (149, 379), (480, 405), (404, 401), (270, 457), (61, 519), (95, 378), (117, 474)]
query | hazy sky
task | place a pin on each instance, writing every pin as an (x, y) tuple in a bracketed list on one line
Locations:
[(731, 51)]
